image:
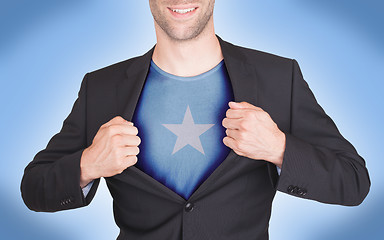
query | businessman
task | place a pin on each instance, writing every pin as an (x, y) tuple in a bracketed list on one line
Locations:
[(194, 138)]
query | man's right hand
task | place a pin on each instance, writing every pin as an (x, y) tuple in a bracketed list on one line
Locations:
[(113, 149)]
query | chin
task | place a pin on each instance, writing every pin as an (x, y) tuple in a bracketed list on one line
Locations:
[(185, 34)]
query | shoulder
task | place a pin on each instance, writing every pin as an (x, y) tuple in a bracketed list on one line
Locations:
[(256, 57), (113, 72)]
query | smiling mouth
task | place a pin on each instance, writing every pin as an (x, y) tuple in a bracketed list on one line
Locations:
[(183, 11)]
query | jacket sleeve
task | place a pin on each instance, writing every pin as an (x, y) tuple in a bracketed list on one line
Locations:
[(319, 163), (51, 182)]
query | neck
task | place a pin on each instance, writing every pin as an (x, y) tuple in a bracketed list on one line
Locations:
[(189, 57)]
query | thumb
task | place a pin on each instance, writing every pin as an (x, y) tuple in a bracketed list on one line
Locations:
[(239, 105)]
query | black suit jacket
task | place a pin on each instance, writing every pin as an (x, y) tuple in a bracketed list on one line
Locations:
[(235, 201)]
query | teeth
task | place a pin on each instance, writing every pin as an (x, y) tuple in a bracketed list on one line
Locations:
[(182, 11)]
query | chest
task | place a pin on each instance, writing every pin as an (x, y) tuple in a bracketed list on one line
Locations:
[(179, 124)]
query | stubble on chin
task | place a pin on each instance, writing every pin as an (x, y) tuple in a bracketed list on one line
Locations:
[(191, 32)]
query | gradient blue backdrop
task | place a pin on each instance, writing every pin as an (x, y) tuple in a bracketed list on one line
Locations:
[(46, 47)]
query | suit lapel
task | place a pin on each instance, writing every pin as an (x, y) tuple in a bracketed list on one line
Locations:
[(129, 89), (242, 75), (243, 80)]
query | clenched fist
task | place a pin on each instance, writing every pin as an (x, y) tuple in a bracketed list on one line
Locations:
[(252, 133), (113, 149)]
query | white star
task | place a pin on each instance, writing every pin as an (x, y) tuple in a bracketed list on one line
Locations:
[(188, 132)]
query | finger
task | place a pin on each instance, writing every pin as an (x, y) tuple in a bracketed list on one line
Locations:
[(233, 133), (231, 123), (230, 142), (117, 120), (131, 160), (242, 105), (125, 140), (122, 152), (130, 140), (130, 151), (121, 129), (127, 161), (236, 113)]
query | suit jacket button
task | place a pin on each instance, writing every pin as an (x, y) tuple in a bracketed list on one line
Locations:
[(302, 191), (291, 189), (189, 207)]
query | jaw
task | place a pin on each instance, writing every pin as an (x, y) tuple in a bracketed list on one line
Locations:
[(184, 33), (182, 22)]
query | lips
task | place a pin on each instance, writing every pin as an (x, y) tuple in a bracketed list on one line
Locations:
[(182, 12)]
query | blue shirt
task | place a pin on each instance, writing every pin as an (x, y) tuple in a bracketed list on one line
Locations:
[(179, 122)]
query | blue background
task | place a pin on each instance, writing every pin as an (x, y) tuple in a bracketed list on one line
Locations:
[(46, 47)]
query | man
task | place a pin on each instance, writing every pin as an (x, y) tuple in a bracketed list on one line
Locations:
[(215, 123)]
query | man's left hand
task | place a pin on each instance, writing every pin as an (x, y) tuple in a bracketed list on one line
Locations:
[(252, 133)]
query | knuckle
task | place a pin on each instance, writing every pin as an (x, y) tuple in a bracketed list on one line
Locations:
[(115, 139), (243, 135), (113, 129), (239, 146), (260, 109), (118, 118), (132, 160), (120, 164), (249, 114), (263, 115), (236, 145), (121, 168), (239, 153), (243, 124), (116, 153)]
